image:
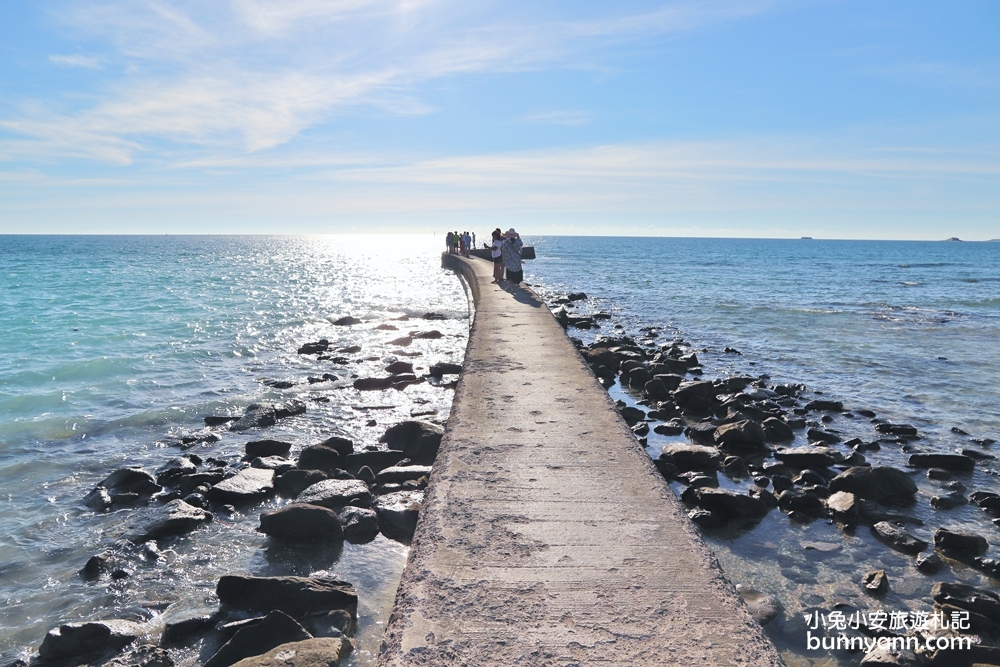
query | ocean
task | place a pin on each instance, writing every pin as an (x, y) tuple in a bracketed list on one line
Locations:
[(114, 348)]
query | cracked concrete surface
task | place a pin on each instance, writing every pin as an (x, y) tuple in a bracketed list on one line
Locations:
[(547, 536)]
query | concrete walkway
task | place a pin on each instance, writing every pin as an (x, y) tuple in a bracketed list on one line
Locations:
[(548, 537)]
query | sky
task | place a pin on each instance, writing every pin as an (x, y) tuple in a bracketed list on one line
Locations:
[(747, 118)]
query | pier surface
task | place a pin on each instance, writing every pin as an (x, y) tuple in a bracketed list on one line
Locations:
[(547, 536)]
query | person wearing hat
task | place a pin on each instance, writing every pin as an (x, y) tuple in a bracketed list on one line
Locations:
[(511, 251)]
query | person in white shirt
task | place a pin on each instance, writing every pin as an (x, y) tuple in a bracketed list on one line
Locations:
[(497, 254)]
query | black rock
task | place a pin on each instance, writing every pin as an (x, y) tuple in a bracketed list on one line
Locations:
[(929, 563), (273, 630), (76, 643), (576, 296), (257, 448), (293, 482), (976, 600), (257, 415), (819, 435), (131, 480), (180, 631), (746, 435), (295, 596), (336, 493), (690, 457), (344, 446), (672, 427), (776, 430), (430, 335), (302, 523), (953, 462), (214, 420), (903, 430), (730, 504), (825, 406), (802, 502), (444, 368), (320, 457), (397, 367), (898, 538), (398, 512), (418, 440), (289, 409), (247, 486), (175, 468), (948, 501), (175, 518), (882, 484), (95, 566), (318, 347), (960, 543), (399, 474), (346, 321)]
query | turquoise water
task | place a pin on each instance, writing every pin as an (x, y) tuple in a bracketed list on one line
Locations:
[(113, 346), (909, 330)]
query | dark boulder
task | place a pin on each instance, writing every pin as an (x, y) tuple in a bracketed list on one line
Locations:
[(398, 512), (273, 630), (672, 427), (823, 405), (247, 486), (374, 460), (903, 430), (806, 457), (317, 652), (976, 600), (875, 582), (174, 518), (256, 448), (289, 409), (293, 482), (346, 321), (374, 384), (336, 493), (427, 335), (928, 563), (656, 390), (301, 522), (218, 420), (948, 501), (444, 368), (318, 347), (344, 446), (296, 596), (819, 435), (898, 538), (320, 457), (882, 484), (397, 367), (730, 504), (986, 500), (740, 436), (257, 415), (688, 393), (399, 474), (802, 501), (76, 643), (418, 440), (131, 480), (776, 430), (960, 543), (360, 523), (691, 457), (953, 462), (174, 468)]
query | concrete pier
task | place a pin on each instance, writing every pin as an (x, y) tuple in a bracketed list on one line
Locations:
[(547, 536)]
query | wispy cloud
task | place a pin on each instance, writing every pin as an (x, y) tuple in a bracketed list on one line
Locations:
[(76, 60), (568, 118)]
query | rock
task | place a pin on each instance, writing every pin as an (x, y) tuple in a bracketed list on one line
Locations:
[(373, 384), (360, 523), (257, 415), (131, 480), (374, 460), (819, 435), (776, 430), (882, 484), (741, 435), (75, 643), (293, 482), (295, 596), (801, 501), (95, 566), (247, 486), (418, 440), (806, 457), (898, 538), (929, 563), (976, 600), (175, 518), (99, 499), (825, 406), (672, 427), (262, 448), (320, 457), (143, 656), (698, 393), (275, 629), (986, 500), (875, 582), (948, 501), (397, 474), (317, 652), (433, 334), (843, 507), (289, 409), (959, 542), (576, 296), (705, 519), (953, 462), (887, 656), (300, 522), (730, 504), (444, 368), (343, 446), (397, 367), (397, 513), (764, 496), (336, 493), (175, 468), (180, 631), (318, 347), (218, 420), (903, 430), (656, 390), (346, 321), (690, 457), (763, 607), (278, 464)]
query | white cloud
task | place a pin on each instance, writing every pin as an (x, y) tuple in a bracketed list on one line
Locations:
[(76, 60)]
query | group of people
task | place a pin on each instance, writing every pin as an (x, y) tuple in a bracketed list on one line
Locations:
[(459, 244)]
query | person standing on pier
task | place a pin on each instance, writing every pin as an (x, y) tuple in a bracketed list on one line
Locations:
[(497, 254), (511, 252)]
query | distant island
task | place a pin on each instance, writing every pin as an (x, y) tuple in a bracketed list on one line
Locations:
[(953, 238), (807, 238)]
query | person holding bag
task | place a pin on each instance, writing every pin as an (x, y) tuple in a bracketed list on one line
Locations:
[(510, 250)]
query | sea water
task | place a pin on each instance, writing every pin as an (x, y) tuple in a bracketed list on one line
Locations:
[(910, 330), (111, 347)]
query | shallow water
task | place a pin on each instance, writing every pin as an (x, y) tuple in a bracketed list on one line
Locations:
[(112, 346), (909, 330)]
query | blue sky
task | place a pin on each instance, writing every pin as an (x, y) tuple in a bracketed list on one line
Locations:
[(832, 119)]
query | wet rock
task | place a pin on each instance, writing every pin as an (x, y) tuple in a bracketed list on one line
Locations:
[(977, 455), (953, 462), (366, 475), (179, 632), (882, 484), (960, 543), (991, 566), (318, 347), (806, 457), (781, 482), (903, 430), (705, 519), (301, 522), (418, 440), (843, 507), (218, 420), (776, 430), (948, 501), (294, 596), (672, 427), (175, 518), (175, 468), (397, 367), (886, 656), (360, 524), (76, 643), (875, 582), (336, 493), (656, 390), (734, 466), (289, 409), (96, 566), (433, 334), (346, 321), (898, 538), (273, 630), (397, 474), (263, 448), (131, 480), (293, 482), (730, 504), (316, 652), (257, 415), (247, 486), (143, 656), (697, 395), (763, 607), (929, 563), (398, 512), (373, 384), (320, 457), (746, 435), (825, 406), (764, 496), (976, 600), (819, 435), (690, 457), (444, 368), (374, 460), (802, 502)]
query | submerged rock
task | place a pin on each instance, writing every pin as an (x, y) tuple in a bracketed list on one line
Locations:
[(882, 484), (763, 607), (875, 582), (175, 518), (898, 538)]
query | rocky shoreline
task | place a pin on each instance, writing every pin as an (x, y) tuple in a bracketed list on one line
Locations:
[(330, 492), (740, 448)]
